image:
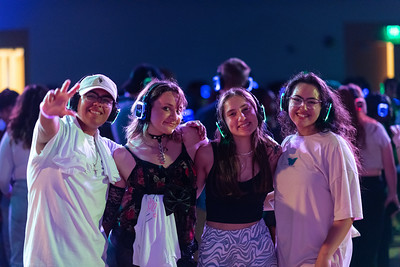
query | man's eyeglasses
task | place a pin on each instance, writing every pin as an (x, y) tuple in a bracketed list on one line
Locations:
[(310, 103), (93, 97)]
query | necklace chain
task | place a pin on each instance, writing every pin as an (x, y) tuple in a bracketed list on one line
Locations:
[(245, 154), (96, 160), (161, 149)]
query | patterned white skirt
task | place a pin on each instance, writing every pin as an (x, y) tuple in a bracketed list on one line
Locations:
[(250, 246)]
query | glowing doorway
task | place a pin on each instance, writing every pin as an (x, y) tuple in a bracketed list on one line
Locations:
[(12, 69)]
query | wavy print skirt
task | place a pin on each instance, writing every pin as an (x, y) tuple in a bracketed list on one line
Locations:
[(250, 246)]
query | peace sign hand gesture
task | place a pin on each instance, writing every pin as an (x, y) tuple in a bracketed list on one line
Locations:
[(53, 106), (55, 102)]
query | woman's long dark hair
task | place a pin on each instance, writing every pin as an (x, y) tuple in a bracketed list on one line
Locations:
[(348, 94), (25, 114), (227, 164)]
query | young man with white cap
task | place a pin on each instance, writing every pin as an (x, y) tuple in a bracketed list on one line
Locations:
[(69, 171)]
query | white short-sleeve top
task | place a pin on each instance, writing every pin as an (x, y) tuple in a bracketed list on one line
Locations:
[(67, 192), (316, 183)]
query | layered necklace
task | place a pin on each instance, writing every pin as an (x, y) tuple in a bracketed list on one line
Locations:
[(162, 149)]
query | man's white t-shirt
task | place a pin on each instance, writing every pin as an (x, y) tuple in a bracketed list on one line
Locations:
[(67, 193)]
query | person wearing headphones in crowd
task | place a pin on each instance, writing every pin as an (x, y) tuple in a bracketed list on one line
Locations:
[(8, 98), (69, 171), (317, 190), (233, 72), (236, 170), (376, 155), (392, 91), (14, 154), (380, 108), (156, 224), (140, 76)]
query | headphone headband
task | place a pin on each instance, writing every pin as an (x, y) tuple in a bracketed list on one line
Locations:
[(218, 83)]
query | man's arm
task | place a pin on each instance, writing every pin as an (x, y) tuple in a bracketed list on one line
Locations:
[(53, 106)]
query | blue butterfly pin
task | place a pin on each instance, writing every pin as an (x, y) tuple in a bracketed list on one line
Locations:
[(291, 161)]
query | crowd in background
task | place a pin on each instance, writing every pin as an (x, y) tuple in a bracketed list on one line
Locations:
[(372, 113)]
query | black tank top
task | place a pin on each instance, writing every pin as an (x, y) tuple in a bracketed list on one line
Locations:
[(227, 209), (149, 178)]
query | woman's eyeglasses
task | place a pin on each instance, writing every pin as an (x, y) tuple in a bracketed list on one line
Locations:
[(310, 103)]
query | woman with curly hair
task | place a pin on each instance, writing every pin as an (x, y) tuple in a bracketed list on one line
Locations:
[(317, 191), (14, 153)]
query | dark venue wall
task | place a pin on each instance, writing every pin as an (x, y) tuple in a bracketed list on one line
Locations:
[(189, 38)]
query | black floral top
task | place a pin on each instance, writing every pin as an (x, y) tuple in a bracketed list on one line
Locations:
[(177, 183)]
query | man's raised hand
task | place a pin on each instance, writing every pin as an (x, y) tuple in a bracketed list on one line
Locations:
[(56, 101)]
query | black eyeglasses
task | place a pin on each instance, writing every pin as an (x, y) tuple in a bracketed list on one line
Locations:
[(93, 97), (310, 103)]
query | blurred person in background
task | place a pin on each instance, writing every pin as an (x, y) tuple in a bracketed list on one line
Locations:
[(382, 108), (14, 153), (140, 76), (392, 90), (378, 177), (7, 101), (233, 72)]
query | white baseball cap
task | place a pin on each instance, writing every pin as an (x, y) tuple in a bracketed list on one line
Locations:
[(98, 81)]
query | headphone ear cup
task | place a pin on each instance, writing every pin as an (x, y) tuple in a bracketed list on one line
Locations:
[(250, 84), (217, 81), (383, 110), (140, 110), (73, 102), (220, 126), (262, 113), (283, 105), (326, 111), (261, 116)]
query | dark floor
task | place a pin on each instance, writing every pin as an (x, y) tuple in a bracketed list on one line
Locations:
[(394, 251)]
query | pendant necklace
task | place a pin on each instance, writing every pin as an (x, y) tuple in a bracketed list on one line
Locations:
[(161, 148), (96, 160)]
